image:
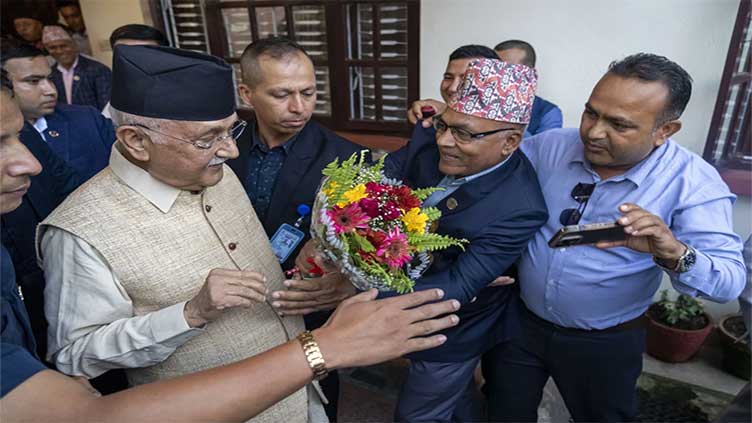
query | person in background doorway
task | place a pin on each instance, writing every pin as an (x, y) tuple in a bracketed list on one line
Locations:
[(79, 80), (71, 12)]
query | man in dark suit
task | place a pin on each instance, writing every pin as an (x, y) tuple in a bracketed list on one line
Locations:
[(79, 135), (491, 197), (48, 189), (282, 154), (79, 79)]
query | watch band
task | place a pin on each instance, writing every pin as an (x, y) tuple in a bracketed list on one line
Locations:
[(683, 263), (313, 355)]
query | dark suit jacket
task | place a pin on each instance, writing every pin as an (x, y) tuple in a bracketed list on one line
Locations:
[(81, 136), (92, 82), (299, 178), (47, 191), (498, 214)]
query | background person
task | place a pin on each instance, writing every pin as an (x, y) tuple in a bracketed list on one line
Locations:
[(79, 79), (546, 115), (70, 10)]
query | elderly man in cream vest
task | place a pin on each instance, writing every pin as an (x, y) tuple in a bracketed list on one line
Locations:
[(158, 264)]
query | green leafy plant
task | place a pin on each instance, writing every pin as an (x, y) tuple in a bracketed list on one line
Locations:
[(684, 312)]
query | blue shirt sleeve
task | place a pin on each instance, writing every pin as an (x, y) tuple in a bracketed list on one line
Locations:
[(552, 119), (18, 365), (705, 223)]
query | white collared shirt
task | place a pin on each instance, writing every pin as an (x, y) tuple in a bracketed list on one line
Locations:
[(41, 125), (99, 331), (68, 79)]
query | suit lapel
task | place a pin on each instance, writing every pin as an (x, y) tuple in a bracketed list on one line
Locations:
[(58, 137), (300, 158), (475, 190)]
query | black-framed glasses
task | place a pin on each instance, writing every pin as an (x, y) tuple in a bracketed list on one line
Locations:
[(581, 194), (462, 135), (233, 134)]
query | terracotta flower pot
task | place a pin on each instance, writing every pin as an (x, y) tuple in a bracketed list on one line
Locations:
[(674, 345), (736, 354)]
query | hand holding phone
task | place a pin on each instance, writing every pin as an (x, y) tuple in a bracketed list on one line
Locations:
[(593, 233), (427, 111)]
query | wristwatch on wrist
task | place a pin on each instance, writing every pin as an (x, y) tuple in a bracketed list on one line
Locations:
[(683, 263), (313, 355)]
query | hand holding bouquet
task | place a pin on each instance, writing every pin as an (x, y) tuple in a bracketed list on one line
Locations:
[(373, 228)]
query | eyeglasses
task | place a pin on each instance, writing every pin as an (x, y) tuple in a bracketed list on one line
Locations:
[(233, 134), (462, 135), (581, 194)]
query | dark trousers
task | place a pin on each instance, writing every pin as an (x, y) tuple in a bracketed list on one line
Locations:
[(439, 392), (595, 371)]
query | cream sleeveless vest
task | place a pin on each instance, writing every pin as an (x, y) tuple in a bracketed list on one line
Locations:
[(164, 258)]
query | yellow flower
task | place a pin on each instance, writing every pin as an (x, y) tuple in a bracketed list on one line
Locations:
[(415, 221), (354, 195), (329, 190)]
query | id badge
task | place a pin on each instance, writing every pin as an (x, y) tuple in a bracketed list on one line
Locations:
[(285, 240)]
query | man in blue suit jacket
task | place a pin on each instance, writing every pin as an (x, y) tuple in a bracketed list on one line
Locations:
[(492, 199), (79, 135)]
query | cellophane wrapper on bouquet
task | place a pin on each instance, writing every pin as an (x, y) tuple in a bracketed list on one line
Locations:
[(374, 229)]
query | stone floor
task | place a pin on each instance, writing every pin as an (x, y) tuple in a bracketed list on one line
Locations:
[(694, 391)]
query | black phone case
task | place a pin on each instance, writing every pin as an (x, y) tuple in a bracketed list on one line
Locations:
[(574, 235)]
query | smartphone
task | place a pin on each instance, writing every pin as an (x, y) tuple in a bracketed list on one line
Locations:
[(571, 236), (427, 111)]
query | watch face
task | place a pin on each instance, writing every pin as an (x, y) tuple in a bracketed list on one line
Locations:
[(688, 260)]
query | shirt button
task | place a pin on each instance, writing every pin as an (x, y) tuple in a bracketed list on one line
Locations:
[(232, 246), (207, 208)]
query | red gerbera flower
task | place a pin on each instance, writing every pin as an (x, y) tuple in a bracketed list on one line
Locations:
[(348, 218), (405, 198), (395, 251), (376, 238)]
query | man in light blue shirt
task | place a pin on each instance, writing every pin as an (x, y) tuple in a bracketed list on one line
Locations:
[(584, 304)]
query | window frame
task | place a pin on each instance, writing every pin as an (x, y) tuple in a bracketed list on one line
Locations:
[(337, 63), (735, 170)]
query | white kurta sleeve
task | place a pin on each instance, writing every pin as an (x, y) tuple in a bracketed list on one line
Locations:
[(92, 327)]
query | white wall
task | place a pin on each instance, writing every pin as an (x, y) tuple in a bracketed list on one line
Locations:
[(103, 16), (575, 40)]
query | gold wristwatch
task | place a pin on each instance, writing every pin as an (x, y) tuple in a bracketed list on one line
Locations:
[(313, 355)]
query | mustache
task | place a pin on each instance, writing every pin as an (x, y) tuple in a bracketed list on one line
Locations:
[(217, 161)]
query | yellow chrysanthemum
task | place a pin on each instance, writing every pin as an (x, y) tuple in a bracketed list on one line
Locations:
[(354, 195), (415, 221), (329, 190)]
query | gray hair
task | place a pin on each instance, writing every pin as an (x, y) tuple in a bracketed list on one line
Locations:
[(121, 118)]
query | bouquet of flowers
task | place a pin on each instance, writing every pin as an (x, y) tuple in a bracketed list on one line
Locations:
[(373, 228)]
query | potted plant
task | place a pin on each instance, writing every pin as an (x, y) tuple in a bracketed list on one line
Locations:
[(676, 329), (735, 344)]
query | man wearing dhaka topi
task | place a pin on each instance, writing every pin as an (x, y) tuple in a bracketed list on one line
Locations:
[(491, 197), (158, 265)]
